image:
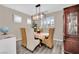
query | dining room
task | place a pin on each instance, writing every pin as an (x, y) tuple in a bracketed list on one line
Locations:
[(42, 34), (38, 28), (39, 41)]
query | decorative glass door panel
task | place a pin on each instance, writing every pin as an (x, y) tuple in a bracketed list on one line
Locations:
[(72, 23)]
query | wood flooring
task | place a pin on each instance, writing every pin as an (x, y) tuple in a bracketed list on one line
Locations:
[(57, 49)]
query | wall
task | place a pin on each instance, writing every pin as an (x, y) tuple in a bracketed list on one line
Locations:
[(58, 16), (6, 19)]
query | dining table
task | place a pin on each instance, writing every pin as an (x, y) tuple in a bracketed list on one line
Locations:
[(41, 35)]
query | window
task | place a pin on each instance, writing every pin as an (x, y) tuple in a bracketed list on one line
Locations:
[(17, 19), (29, 21), (48, 22)]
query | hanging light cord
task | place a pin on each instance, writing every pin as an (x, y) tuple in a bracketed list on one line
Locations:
[(38, 13)]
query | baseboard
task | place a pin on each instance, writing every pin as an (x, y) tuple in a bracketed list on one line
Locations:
[(18, 39), (58, 39)]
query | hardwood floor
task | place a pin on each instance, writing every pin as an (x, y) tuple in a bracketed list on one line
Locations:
[(58, 49)]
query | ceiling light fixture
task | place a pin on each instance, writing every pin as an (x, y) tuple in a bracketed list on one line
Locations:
[(39, 15)]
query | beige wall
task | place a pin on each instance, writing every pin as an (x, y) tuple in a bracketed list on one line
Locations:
[(58, 16), (6, 19)]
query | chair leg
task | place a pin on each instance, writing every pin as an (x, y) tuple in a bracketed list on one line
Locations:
[(23, 46)]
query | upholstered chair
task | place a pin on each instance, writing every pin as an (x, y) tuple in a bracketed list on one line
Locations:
[(48, 41), (28, 40)]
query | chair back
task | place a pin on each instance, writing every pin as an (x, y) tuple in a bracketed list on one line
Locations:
[(51, 36), (24, 38), (51, 32), (28, 40)]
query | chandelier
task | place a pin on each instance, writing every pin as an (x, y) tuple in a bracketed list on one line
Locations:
[(39, 15)]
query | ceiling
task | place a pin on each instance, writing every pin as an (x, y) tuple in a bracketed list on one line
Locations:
[(30, 8)]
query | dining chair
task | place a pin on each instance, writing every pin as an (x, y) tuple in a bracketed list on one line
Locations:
[(24, 37), (49, 41), (28, 39)]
